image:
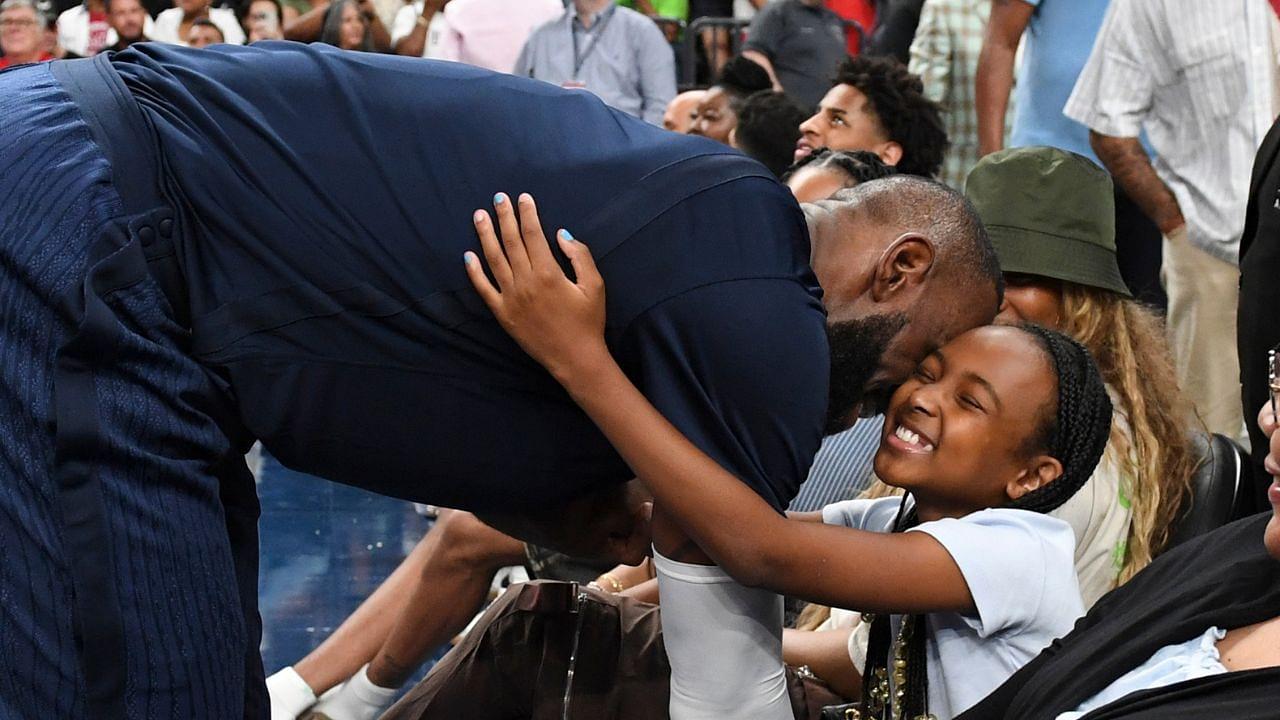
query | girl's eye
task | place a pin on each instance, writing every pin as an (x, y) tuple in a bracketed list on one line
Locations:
[(968, 400), (923, 374)]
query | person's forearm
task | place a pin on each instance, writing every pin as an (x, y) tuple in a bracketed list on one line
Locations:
[(308, 26), (992, 86), (705, 499), (646, 591), (826, 653), (381, 38), (840, 566), (415, 43), (1130, 167)]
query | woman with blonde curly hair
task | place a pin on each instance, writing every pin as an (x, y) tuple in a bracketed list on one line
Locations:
[(1050, 220)]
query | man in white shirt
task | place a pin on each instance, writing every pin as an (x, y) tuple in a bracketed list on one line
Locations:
[(172, 25), (86, 30), (1200, 78), (485, 33)]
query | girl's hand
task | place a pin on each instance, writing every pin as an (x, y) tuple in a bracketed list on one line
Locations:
[(560, 323)]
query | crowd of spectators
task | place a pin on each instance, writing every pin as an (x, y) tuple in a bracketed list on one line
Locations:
[(1108, 147)]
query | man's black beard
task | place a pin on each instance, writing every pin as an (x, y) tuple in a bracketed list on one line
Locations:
[(856, 349)]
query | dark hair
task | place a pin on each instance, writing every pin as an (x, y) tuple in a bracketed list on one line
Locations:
[(911, 203), (859, 165), (768, 128), (206, 22), (740, 78), (242, 12), (1076, 433), (898, 101)]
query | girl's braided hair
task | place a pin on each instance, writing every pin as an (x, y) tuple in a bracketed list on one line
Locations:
[(1076, 433)]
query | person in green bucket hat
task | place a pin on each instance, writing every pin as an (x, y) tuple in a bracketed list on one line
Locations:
[(1050, 215)]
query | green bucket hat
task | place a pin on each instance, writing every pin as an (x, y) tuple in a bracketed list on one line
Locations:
[(1049, 212)]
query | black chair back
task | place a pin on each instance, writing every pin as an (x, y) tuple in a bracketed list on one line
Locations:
[(1219, 488)]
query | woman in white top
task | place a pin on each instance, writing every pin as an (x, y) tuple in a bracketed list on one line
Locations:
[(172, 25), (993, 430)]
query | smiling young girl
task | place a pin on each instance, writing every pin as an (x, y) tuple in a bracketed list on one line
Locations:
[(993, 430)]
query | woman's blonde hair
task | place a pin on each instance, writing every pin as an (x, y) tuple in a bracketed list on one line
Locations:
[(1157, 456)]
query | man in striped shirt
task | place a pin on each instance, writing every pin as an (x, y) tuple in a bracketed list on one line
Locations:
[(1201, 80)]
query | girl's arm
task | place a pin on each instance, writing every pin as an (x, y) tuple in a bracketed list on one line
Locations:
[(560, 323)]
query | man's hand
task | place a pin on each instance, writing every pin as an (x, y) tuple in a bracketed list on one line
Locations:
[(1129, 165)]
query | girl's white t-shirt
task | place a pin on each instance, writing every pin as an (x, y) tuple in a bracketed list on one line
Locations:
[(1020, 569)]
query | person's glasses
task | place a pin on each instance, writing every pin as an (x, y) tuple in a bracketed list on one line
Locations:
[(16, 23)]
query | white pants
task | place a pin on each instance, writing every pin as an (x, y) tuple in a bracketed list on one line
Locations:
[(1203, 296)]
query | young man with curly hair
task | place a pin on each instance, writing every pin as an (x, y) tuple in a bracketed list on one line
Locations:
[(876, 105)]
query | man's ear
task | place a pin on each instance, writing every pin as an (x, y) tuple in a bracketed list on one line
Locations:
[(733, 138), (904, 264), (1041, 471), (890, 153)]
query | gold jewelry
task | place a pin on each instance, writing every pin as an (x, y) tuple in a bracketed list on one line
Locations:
[(614, 583), (884, 696)]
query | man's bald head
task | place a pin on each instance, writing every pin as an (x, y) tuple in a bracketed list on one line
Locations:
[(905, 259)]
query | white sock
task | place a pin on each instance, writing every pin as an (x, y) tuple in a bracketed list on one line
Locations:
[(724, 642), (290, 694), (357, 699)]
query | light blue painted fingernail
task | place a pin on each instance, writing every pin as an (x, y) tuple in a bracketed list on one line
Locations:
[(499, 199), (468, 258), (567, 236)]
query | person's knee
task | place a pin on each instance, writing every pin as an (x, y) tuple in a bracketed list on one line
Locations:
[(467, 542)]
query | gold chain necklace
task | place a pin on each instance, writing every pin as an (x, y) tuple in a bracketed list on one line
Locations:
[(884, 696)]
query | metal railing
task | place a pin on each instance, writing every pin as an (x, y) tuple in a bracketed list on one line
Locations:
[(687, 43)]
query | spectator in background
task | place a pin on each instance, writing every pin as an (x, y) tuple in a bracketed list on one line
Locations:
[(262, 20), (896, 23), (800, 43), (823, 172), (877, 105), (1059, 35), (717, 113), (484, 33), (1200, 79), (22, 34), (615, 53), (945, 54), (86, 29), (174, 25), (862, 12), (129, 20), (204, 33), (346, 27), (311, 25), (767, 130), (679, 114)]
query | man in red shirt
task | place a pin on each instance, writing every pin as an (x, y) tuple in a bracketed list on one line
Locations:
[(21, 34)]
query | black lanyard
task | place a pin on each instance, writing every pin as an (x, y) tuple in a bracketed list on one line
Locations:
[(599, 27)]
